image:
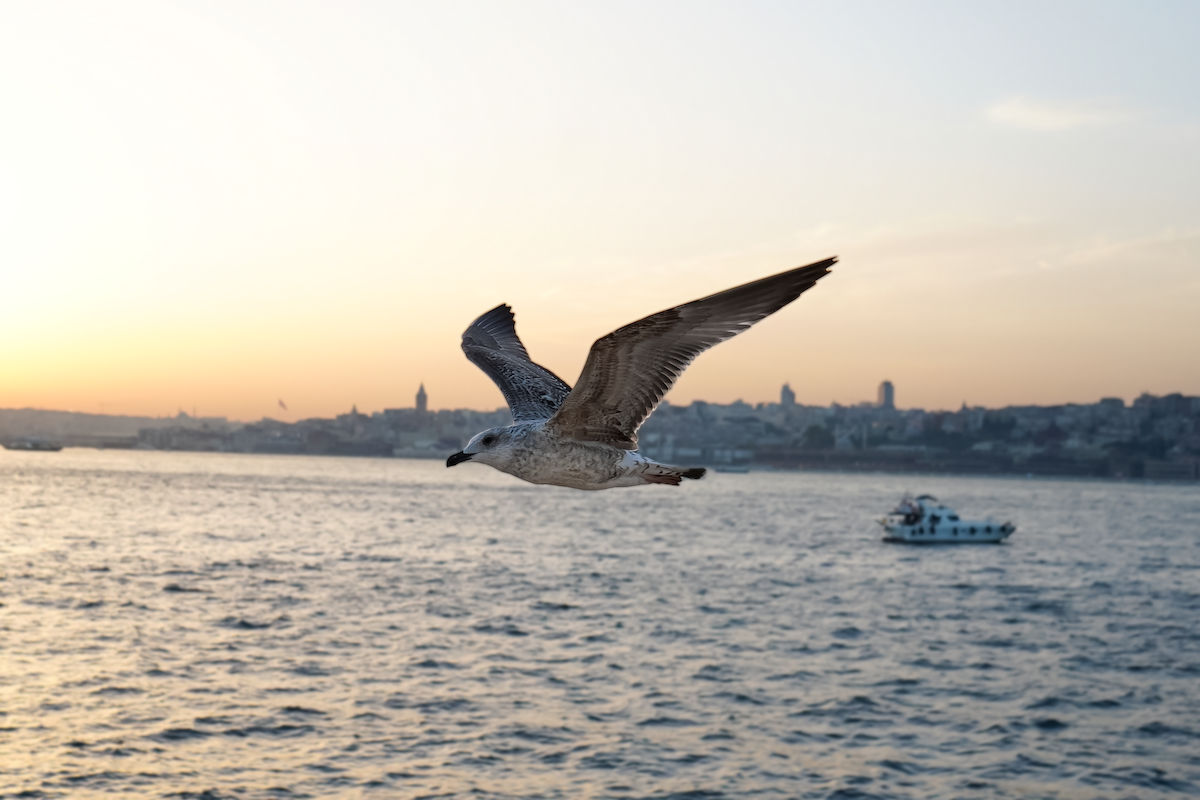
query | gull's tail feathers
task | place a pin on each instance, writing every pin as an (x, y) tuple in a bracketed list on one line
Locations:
[(672, 476)]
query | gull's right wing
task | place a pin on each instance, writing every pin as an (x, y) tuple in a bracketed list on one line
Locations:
[(629, 370), (531, 391)]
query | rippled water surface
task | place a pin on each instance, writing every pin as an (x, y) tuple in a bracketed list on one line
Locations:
[(194, 625)]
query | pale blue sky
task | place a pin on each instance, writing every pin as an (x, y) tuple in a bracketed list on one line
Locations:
[(216, 204)]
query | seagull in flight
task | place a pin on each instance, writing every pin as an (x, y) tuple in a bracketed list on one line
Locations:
[(586, 437)]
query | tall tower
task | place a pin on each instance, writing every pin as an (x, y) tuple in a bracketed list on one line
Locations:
[(787, 398), (422, 400), (887, 396)]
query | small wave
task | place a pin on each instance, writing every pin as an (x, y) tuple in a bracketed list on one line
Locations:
[(714, 672), (1050, 724), (283, 731), (449, 704), (718, 736), (903, 767), (851, 709), (1054, 607), (667, 722), (1021, 765), (798, 675), (743, 699), (942, 666), (899, 682), (1046, 702), (180, 735), (602, 761), (507, 629), (446, 611), (117, 752), (311, 670), (853, 793), (1146, 778), (1157, 729), (1104, 703), (430, 663), (302, 710), (243, 624), (539, 735), (94, 778), (376, 559)]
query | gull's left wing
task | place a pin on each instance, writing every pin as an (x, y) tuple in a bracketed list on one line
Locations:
[(531, 391), (629, 370)]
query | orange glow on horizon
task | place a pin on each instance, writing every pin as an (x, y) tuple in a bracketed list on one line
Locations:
[(318, 213)]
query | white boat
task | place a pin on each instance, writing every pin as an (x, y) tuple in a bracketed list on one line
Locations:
[(924, 520)]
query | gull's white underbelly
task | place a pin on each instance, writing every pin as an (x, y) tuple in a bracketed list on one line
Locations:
[(561, 462)]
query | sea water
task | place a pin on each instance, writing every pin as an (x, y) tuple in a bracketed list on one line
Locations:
[(234, 626)]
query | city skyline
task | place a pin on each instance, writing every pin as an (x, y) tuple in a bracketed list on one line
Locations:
[(1153, 437), (885, 399), (221, 206)]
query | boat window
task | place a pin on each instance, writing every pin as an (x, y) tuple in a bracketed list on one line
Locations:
[(953, 517)]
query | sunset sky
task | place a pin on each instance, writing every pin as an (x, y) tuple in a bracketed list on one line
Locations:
[(215, 205)]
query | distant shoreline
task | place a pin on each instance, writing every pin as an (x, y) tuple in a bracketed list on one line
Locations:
[(1154, 438)]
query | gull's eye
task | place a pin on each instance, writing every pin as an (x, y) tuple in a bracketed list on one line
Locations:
[(487, 441)]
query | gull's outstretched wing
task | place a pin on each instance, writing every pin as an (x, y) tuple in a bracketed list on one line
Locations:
[(491, 343), (629, 370)]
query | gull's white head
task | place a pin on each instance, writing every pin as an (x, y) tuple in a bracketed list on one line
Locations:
[(493, 447)]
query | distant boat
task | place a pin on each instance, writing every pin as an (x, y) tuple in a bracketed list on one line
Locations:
[(926, 521), (44, 445)]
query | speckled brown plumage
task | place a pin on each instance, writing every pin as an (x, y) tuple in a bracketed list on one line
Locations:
[(586, 438)]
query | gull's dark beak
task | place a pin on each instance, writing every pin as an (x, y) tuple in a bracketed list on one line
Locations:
[(457, 458)]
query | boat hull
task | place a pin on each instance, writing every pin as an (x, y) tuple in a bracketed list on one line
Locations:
[(961, 532)]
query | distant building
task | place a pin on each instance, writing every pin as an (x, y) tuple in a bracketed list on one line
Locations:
[(887, 396), (787, 398), (422, 400)]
